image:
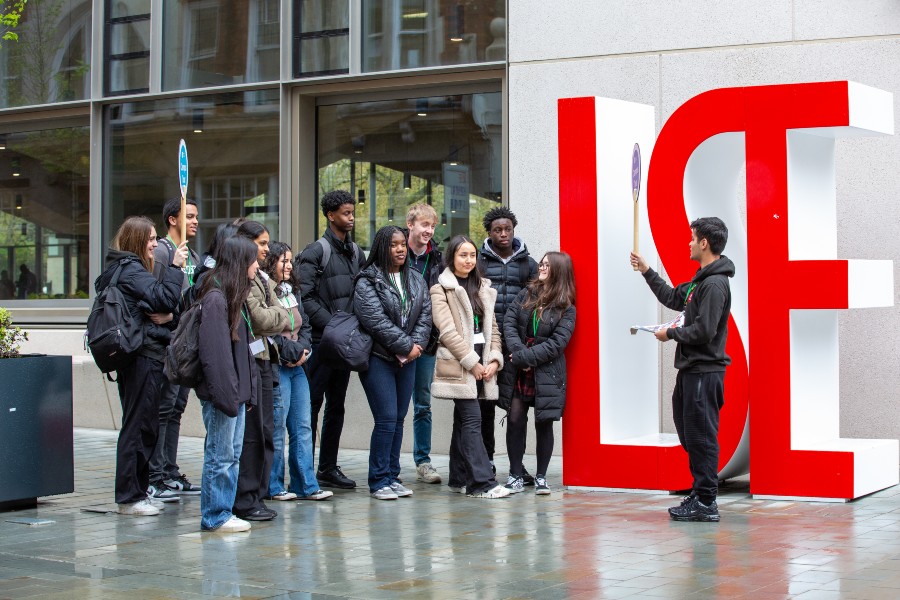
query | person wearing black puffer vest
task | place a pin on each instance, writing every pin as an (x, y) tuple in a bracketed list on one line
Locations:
[(505, 261), (152, 302), (393, 304), (326, 286)]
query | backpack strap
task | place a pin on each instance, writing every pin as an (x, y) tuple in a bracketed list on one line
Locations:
[(118, 271), (326, 255)]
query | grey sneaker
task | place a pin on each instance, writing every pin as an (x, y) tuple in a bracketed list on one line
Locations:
[(514, 484), (284, 496), (400, 490), (425, 472), (385, 493), (318, 495), (457, 489), (161, 493)]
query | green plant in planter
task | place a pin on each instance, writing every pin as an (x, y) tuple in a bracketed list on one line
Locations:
[(10, 336)]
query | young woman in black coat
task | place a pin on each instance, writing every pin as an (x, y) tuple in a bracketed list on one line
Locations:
[(151, 301), (393, 305), (537, 327)]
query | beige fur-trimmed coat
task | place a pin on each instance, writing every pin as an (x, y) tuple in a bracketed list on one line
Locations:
[(454, 319)]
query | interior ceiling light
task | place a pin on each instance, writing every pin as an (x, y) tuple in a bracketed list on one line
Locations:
[(422, 107), (198, 120), (16, 171), (361, 196), (418, 15), (456, 32)]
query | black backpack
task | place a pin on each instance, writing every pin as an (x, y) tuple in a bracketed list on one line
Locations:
[(182, 365), (113, 337)]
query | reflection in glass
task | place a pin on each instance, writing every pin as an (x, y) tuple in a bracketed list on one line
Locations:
[(44, 214), (127, 46), (232, 142), (410, 34), (51, 60), (447, 148), (321, 37), (220, 42)]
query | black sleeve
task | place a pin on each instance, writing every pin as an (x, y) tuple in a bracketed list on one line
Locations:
[(305, 335), (667, 295), (216, 355), (307, 272), (370, 311), (553, 346), (161, 295)]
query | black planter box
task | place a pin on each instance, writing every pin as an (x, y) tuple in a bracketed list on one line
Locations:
[(36, 449)]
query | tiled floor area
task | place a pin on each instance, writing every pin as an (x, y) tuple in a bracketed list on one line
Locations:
[(442, 545)]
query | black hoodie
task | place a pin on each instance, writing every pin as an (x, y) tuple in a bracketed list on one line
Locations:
[(706, 302)]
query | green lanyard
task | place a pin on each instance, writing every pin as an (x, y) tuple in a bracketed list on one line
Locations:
[(188, 272), (687, 296), (290, 312), (535, 319), (476, 322), (401, 292), (427, 256), (249, 326)]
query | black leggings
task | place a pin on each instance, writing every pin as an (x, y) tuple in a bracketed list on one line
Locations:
[(516, 424)]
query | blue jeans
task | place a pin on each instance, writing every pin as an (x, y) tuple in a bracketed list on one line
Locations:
[(221, 460), (292, 410), (388, 388), (424, 366)]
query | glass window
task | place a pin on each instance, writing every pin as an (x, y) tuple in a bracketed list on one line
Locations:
[(220, 42), (48, 63), (127, 46), (232, 142), (44, 214), (321, 37), (442, 150), (409, 34)]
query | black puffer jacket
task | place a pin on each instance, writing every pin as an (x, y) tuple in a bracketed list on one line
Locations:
[(325, 291), (376, 304), (545, 356), (144, 293), (507, 278)]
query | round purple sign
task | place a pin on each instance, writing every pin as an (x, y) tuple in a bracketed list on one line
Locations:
[(636, 171)]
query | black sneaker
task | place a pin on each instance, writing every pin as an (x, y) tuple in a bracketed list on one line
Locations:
[(260, 514), (684, 502), (527, 479), (182, 486), (335, 478), (540, 486), (694, 510)]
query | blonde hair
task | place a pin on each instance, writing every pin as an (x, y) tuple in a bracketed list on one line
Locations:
[(419, 211), (133, 236)]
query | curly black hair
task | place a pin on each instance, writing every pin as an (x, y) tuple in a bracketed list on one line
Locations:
[(334, 199), (500, 212)]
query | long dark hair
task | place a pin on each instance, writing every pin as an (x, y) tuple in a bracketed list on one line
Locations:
[(251, 229), (230, 276), (133, 236), (277, 250), (473, 281), (223, 232), (380, 253), (558, 290)]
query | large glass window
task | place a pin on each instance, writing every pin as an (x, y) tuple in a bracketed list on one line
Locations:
[(220, 42), (44, 214), (442, 150), (409, 34), (321, 37), (51, 60), (232, 142), (127, 46)]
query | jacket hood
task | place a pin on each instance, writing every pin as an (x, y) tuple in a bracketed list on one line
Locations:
[(112, 260), (518, 246), (720, 266), (114, 256), (447, 279)]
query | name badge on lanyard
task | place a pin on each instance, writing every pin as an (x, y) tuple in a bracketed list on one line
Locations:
[(257, 346), (479, 338)]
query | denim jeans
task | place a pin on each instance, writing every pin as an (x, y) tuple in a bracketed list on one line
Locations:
[(292, 410), (388, 388), (221, 460), (424, 366)]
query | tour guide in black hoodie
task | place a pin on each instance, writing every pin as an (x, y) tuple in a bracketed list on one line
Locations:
[(700, 359)]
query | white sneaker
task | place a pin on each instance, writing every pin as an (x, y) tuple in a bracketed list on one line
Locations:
[(141, 508), (284, 496), (233, 525), (157, 504), (385, 493), (457, 489), (400, 490), (495, 492), (318, 495), (425, 472)]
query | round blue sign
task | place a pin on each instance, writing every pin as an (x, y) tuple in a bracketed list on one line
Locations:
[(183, 167), (636, 171)]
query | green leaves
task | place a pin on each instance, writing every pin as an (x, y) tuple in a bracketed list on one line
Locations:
[(10, 13)]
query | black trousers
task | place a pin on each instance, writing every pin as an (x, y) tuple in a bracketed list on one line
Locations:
[(696, 402), (139, 385), (172, 402), (488, 408), (259, 449), (469, 464), (328, 386)]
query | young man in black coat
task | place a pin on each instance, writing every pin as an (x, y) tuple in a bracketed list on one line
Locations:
[(166, 479), (326, 286), (700, 359), (504, 259)]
